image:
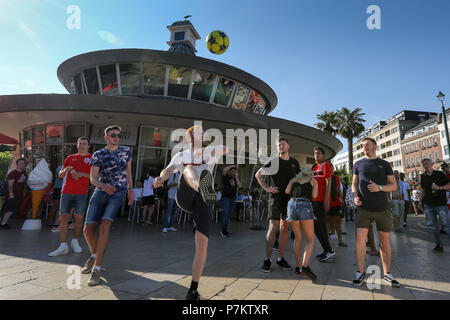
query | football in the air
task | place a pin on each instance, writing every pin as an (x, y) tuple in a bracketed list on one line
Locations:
[(217, 42)]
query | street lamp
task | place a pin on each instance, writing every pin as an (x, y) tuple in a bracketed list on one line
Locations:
[(441, 98)]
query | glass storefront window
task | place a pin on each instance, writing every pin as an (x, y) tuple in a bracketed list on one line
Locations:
[(38, 153), (53, 155), (255, 98), (224, 91), (130, 78), (260, 106), (72, 88), (240, 98), (154, 78), (109, 80), (179, 81), (90, 76), (73, 132), (70, 149), (78, 84), (55, 134), (27, 139), (202, 85), (149, 163), (38, 135), (156, 137)]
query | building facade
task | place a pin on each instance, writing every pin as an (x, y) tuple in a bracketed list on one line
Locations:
[(441, 128), (388, 134), (340, 161), (420, 142), (152, 94)]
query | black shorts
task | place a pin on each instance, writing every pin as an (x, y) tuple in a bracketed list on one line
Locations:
[(148, 200), (334, 212), (56, 195), (12, 204), (277, 207), (190, 200)]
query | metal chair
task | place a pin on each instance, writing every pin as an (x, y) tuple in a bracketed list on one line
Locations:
[(137, 205)]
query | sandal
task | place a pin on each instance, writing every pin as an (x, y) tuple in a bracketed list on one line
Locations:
[(343, 244)]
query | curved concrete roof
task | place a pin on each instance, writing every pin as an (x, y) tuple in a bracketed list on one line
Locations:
[(173, 110), (76, 64)]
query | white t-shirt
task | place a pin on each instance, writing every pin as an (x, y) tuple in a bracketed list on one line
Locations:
[(206, 162), (137, 193), (148, 187), (404, 187)]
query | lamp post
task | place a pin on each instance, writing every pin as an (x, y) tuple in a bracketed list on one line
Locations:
[(441, 98)]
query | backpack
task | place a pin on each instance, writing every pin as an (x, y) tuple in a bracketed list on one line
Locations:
[(333, 192)]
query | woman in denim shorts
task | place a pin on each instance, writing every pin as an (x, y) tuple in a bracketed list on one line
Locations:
[(300, 216)]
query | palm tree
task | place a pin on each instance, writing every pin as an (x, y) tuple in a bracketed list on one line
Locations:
[(329, 122), (350, 125)]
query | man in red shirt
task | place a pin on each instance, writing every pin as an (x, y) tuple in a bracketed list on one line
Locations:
[(321, 204), (16, 191), (74, 194)]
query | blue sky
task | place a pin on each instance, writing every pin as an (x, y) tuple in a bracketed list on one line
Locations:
[(317, 55)]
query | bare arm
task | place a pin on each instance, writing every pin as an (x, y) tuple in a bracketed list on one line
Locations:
[(259, 177), (355, 187), (289, 186), (62, 173), (10, 188), (163, 176), (130, 184), (94, 180), (225, 170)]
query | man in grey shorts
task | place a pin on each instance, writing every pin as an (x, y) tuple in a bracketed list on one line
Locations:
[(373, 178)]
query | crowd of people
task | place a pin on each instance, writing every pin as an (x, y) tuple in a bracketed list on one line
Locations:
[(311, 201)]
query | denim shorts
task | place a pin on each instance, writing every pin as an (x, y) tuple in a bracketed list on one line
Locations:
[(103, 206), (299, 209), (77, 201)]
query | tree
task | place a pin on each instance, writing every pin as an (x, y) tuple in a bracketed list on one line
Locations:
[(350, 125), (329, 122), (5, 159)]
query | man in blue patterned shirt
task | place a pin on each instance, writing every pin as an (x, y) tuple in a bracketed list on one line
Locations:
[(111, 175)]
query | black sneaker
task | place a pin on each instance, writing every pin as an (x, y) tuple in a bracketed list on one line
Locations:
[(276, 245), (5, 226), (225, 234), (389, 278), (297, 270), (442, 231), (307, 272), (438, 248), (328, 255), (266, 266), (321, 255), (283, 263), (359, 278), (192, 295), (205, 187)]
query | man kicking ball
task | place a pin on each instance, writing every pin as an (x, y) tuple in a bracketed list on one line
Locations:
[(195, 193)]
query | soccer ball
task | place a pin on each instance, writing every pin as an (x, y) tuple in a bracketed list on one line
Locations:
[(217, 42)]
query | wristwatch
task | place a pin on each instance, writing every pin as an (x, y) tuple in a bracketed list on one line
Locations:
[(380, 188)]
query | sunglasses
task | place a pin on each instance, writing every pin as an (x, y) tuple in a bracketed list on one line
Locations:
[(116, 135)]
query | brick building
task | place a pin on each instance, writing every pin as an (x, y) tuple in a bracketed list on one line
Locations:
[(422, 141)]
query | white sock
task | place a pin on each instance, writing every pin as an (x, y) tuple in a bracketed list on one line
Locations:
[(74, 240), (64, 244), (94, 255), (98, 268)]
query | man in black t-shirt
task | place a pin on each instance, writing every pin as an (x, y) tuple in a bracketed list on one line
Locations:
[(230, 181), (373, 178), (433, 200), (279, 179)]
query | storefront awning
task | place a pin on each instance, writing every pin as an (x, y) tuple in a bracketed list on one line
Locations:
[(7, 140)]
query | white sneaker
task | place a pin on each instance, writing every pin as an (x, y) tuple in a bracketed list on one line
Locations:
[(76, 246), (172, 229), (164, 230), (60, 251)]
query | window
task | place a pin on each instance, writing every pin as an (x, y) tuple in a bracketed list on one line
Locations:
[(55, 134), (179, 81), (109, 80), (395, 141), (396, 152), (435, 141), (73, 132), (430, 156), (387, 133), (130, 78), (377, 138), (38, 135), (90, 76), (423, 144), (224, 91), (154, 78), (389, 154), (410, 148), (310, 160), (253, 102), (406, 150), (202, 85), (179, 36), (407, 163), (416, 147), (382, 136), (394, 130), (72, 88), (412, 162), (429, 142), (78, 82), (446, 150), (436, 156), (388, 143), (417, 161), (155, 137), (383, 156), (383, 145), (240, 98), (398, 163)]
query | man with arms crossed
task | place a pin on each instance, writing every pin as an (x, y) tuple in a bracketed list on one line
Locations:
[(74, 195), (111, 175), (287, 169), (195, 193), (373, 179)]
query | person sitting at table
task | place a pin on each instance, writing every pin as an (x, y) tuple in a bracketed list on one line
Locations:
[(248, 201), (138, 190)]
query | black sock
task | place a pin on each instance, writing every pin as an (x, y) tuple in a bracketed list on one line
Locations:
[(194, 286)]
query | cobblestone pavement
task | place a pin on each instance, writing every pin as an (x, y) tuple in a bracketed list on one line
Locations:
[(141, 262)]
